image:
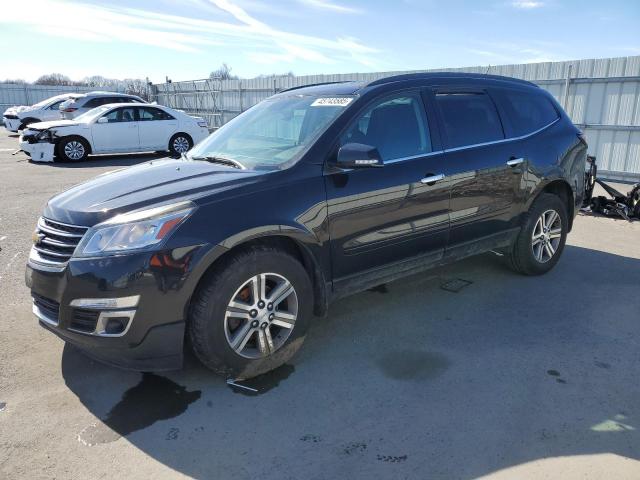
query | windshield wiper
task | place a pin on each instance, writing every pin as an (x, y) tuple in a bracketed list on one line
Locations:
[(222, 161)]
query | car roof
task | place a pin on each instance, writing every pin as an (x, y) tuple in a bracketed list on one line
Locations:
[(99, 93), (354, 87), (126, 104)]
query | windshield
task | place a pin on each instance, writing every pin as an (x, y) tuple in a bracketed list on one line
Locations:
[(46, 101), (273, 134), (93, 113)]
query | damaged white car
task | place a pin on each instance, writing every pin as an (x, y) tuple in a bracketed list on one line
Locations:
[(114, 128), (17, 118)]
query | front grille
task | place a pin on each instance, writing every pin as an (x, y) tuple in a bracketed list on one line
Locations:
[(55, 241), (84, 320), (50, 308), (11, 117)]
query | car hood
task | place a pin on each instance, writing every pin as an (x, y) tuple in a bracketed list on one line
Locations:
[(15, 109), (149, 184), (53, 124)]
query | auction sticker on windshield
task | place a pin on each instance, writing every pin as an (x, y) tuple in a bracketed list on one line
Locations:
[(332, 102)]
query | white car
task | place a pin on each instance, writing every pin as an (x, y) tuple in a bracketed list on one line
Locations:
[(115, 128), (17, 118)]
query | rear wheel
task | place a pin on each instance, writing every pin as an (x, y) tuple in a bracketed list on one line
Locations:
[(180, 143), (73, 149), (541, 240), (251, 315)]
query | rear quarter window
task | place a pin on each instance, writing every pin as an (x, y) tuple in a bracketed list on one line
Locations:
[(469, 118), (527, 112)]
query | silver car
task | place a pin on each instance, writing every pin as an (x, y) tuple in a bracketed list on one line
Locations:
[(83, 102)]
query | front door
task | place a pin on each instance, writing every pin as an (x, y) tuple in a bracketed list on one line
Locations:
[(379, 216), (484, 170), (118, 134)]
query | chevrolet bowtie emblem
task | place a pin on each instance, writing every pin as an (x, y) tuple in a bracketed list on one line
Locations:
[(37, 237)]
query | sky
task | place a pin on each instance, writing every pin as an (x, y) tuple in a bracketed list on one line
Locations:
[(187, 39)]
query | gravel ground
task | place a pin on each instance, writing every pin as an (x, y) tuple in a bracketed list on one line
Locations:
[(510, 377)]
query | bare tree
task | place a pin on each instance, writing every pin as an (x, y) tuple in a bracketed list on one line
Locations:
[(223, 73), (54, 79)]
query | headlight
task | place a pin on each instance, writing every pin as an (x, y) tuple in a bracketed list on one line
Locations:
[(44, 136), (134, 231)]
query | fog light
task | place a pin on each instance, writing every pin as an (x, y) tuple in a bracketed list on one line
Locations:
[(116, 325)]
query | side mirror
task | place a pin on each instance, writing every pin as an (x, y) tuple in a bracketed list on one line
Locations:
[(358, 155), (103, 120)]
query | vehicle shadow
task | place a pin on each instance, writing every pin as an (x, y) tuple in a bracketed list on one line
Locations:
[(426, 377), (119, 160)]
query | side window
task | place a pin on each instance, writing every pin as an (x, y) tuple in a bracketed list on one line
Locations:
[(148, 114), (469, 118), (54, 105), (528, 112), (120, 115), (93, 103), (396, 126)]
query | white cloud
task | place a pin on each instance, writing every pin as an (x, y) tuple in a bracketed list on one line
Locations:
[(327, 5), (527, 4), (93, 23)]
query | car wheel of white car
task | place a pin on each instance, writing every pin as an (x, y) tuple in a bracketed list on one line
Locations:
[(73, 149), (180, 143)]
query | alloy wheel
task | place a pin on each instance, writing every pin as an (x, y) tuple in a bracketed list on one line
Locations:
[(546, 236), (261, 315), (74, 150), (181, 144)]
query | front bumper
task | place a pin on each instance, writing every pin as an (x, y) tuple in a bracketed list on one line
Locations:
[(11, 124), (153, 337), (39, 152)]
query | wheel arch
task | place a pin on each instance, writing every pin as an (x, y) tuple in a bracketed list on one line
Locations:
[(290, 241), (560, 188)]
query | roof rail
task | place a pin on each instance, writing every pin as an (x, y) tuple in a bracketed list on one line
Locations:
[(427, 75), (315, 85)]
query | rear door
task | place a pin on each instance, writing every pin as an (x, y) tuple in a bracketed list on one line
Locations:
[(118, 134), (381, 216), (155, 128), (484, 170)]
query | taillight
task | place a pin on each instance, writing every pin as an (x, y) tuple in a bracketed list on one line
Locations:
[(69, 109)]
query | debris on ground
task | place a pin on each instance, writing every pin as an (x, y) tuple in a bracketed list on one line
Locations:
[(619, 205)]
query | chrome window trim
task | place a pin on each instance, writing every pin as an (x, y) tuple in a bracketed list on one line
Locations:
[(475, 145), (504, 140)]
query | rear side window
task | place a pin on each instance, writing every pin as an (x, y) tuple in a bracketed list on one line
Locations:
[(527, 112), (396, 126), (147, 113), (469, 118)]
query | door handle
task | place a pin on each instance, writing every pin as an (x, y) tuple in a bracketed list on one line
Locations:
[(515, 161), (431, 179)]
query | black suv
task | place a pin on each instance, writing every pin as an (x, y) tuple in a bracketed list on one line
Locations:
[(314, 193)]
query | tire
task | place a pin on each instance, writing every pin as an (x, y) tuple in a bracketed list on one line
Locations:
[(214, 325), (73, 149), (531, 256), (180, 143)]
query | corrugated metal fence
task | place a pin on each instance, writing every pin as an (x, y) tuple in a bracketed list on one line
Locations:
[(602, 96)]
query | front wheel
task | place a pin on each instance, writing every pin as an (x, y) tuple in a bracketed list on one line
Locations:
[(251, 314), (73, 149), (541, 240)]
